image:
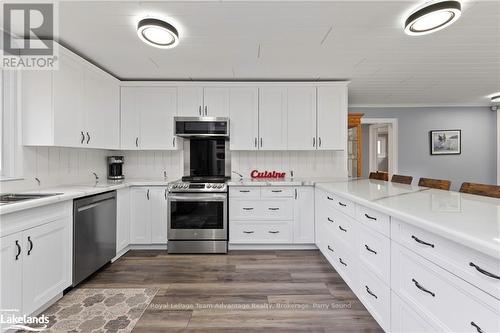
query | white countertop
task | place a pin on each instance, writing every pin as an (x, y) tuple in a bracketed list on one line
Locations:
[(471, 220), (70, 192), (296, 181)]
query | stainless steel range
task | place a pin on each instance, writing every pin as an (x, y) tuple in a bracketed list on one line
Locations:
[(198, 205)]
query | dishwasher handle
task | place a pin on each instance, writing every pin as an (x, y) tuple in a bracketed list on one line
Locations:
[(95, 204)]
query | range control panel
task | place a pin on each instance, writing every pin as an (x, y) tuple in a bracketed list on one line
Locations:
[(197, 187)]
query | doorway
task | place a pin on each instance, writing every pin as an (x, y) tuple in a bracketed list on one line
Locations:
[(380, 144)]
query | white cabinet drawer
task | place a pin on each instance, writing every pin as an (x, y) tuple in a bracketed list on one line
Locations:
[(345, 206), (376, 297), (470, 265), (244, 192), (407, 319), (277, 192), (277, 209), (346, 266), (445, 299), (373, 219), (250, 232), (342, 227), (374, 251), (242, 209)]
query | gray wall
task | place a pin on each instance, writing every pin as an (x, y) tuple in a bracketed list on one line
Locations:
[(477, 163)]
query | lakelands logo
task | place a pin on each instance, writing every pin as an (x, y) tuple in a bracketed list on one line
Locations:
[(28, 30), (11, 320)]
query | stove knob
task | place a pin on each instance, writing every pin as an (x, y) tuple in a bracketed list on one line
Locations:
[(209, 185), (174, 186), (220, 186)]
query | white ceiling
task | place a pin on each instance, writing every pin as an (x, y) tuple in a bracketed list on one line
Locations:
[(360, 41)]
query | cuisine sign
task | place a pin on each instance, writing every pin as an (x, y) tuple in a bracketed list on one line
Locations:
[(267, 174)]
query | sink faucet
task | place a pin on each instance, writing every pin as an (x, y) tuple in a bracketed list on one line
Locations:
[(165, 175), (239, 174), (38, 181), (291, 174), (96, 177)]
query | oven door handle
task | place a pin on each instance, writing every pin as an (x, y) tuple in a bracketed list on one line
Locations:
[(192, 197)]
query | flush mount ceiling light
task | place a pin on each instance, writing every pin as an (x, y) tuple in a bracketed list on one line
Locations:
[(432, 17), (157, 33), (495, 98)]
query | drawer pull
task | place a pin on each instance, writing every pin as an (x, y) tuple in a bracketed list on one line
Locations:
[(421, 241), (244, 191), (247, 208), (329, 248), (370, 250), (342, 204), (276, 191), (272, 208), (344, 230), (18, 250), (370, 292), (342, 262), (370, 217), (273, 232), (482, 271), (248, 232), (422, 288), (478, 329), (329, 219), (329, 198)]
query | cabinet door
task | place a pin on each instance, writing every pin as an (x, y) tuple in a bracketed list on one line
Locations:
[(11, 273), (244, 118), (140, 215), (101, 110), (303, 217), (332, 118), (68, 103), (273, 118), (46, 263), (122, 219), (302, 118), (190, 101), (130, 117), (216, 102), (158, 215), (157, 107)]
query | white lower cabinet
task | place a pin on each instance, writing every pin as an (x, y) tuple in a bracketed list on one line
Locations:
[(36, 259), (406, 319), (271, 215), (148, 215), (122, 219)]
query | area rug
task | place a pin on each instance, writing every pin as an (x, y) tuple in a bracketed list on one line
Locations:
[(98, 310)]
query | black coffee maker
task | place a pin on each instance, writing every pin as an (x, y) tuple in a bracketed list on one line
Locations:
[(115, 168)]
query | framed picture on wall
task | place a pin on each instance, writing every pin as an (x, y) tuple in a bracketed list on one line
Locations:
[(446, 142)]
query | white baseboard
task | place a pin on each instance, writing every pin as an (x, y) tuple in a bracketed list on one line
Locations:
[(272, 247), (139, 247)]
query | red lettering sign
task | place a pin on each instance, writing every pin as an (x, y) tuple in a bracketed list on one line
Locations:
[(267, 174)]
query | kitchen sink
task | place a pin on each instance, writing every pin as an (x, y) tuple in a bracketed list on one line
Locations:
[(17, 197)]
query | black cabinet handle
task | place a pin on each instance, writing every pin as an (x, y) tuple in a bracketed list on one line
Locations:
[(329, 219), (165, 194), (319, 141), (272, 208), (478, 329), (273, 232), (342, 262), (255, 142), (206, 112), (31, 245), (419, 286), (137, 142), (88, 137), (147, 194), (248, 232), (173, 141), (370, 292), (344, 230), (329, 198), (329, 248), (260, 142), (295, 194), (244, 191), (421, 241), (369, 249), (18, 250), (314, 141), (199, 110), (342, 204), (83, 137), (247, 208), (370, 217), (482, 271), (276, 191)]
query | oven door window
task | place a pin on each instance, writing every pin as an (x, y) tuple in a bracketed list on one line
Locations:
[(197, 215)]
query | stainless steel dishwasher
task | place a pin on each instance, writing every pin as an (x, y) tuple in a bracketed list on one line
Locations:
[(94, 234)]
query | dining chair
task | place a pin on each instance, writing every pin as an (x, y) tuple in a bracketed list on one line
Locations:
[(440, 184), (402, 179), (485, 190), (379, 175)]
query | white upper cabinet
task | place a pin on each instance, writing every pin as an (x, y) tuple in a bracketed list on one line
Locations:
[(273, 118), (74, 106), (302, 118), (190, 101), (216, 102), (244, 118), (147, 121), (332, 117)]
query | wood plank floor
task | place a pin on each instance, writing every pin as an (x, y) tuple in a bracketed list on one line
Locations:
[(243, 291)]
